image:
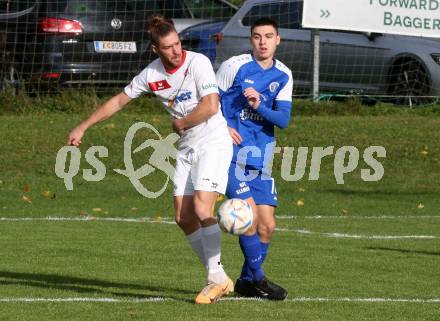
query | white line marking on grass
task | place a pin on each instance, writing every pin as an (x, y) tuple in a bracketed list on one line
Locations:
[(168, 220), (161, 220), (354, 236), (110, 300), (162, 299), (381, 217), (304, 299)]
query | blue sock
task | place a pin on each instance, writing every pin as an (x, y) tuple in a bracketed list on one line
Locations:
[(246, 272), (251, 248), (264, 249)]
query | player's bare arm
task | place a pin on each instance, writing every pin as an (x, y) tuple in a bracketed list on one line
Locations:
[(206, 108), (109, 108)]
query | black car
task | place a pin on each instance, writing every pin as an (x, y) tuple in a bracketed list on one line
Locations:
[(49, 44)]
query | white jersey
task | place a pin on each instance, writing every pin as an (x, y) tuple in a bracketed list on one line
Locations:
[(180, 91)]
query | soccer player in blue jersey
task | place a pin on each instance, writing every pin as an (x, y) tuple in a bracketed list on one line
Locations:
[(256, 95)]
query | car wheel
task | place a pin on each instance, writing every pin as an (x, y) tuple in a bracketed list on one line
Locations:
[(409, 83)]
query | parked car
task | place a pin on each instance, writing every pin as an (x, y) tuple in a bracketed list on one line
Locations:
[(204, 11), (211, 9), (52, 44), (350, 61), (203, 38)]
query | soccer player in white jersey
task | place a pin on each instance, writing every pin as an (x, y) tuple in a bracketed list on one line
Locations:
[(185, 83), (256, 95)]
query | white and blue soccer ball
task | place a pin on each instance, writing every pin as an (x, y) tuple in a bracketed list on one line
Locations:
[(235, 216)]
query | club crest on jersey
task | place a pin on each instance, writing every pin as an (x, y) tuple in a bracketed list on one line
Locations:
[(274, 86), (159, 85)]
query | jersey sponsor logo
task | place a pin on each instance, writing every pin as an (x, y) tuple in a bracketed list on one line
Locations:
[(208, 86), (249, 81), (248, 114), (159, 85), (184, 96), (274, 86)]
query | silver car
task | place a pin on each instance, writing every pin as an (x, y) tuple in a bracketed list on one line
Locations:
[(203, 11), (400, 67)]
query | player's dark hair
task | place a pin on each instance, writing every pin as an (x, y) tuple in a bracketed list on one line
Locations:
[(158, 28), (265, 21)]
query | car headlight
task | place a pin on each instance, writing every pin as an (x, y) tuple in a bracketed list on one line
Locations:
[(436, 57)]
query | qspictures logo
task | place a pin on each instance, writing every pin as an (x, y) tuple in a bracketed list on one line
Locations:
[(346, 160)]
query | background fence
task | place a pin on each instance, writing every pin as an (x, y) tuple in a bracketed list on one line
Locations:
[(46, 46)]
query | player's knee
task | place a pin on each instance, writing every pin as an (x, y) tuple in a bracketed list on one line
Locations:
[(266, 230), (202, 210)]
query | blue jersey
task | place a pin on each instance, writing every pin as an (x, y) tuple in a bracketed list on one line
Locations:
[(256, 127)]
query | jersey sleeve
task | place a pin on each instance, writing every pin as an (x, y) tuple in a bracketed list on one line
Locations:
[(285, 94), (138, 85), (204, 76), (225, 76), (280, 114)]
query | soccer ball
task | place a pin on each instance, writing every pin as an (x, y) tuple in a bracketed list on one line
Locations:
[(235, 216)]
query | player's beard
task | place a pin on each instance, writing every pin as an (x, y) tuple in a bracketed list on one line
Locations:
[(173, 61)]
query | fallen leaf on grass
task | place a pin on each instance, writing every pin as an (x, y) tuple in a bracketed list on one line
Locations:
[(420, 205), (300, 203), (97, 209), (26, 199), (109, 126), (48, 194)]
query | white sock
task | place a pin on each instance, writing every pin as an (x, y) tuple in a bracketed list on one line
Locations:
[(211, 246), (195, 240)]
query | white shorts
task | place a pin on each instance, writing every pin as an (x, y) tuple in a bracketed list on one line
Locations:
[(204, 170)]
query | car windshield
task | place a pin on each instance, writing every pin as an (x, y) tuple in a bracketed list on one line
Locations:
[(286, 14), (166, 8), (8, 6), (210, 9)]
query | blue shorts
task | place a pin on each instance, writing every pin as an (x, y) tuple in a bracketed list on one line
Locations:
[(261, 188)]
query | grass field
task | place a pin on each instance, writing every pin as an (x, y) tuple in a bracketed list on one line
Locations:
[(357, 251)]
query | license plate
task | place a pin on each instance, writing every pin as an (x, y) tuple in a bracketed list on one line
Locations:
[(115, 46)]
